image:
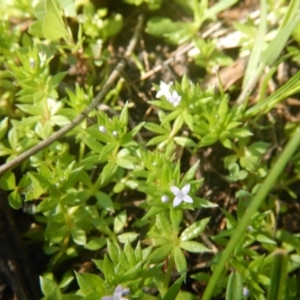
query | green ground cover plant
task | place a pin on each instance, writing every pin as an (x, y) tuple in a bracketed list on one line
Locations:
[(146, 173)]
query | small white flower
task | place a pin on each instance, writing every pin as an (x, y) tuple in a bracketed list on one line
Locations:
[(164, 198), (102, 129), (172, 97), (181, 194), (164, 90), (115, 133)]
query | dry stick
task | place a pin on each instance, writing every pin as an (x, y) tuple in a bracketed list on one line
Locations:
[(84, 114)]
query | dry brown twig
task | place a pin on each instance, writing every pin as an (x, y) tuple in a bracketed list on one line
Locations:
[(84, 114)]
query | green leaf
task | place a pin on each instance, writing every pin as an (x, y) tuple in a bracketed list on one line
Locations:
[(47, 204), (174, 289), (154, 210), (133, 273), (50, 289), (36, 29), (240, 133), (40, 10), (242, 174), (193, 247), (60, 120), (163, 224), (105, 201), (15, 199), (188, 119), (258, 148), (69, 7), (112, 25), (279, 273), (108, 172), (264, 239), (120, 221), (89, 282), (177, 125), (102, 137), (209, 139), (78, 235), (138, 252), (128, 251), (13, 138), (126, 162), (234, 289), (8, 181), (194, 230), (73, 197), (127, 237), (223, 108), (124, 115), (113, 252), (180, 260), (157, 139), (190, 174), (108, 269), (155, 128), (53, 25), (136, 129), (67, 278), (95, 244), (30, 109), (160, 253), (35, 190), (3, 127), (93, 144), (44, 130), (199, 202), (176, 218), (184, 141)]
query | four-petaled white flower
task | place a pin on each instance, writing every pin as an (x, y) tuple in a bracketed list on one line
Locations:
[(164, 90), (118, 293), (181, 194)]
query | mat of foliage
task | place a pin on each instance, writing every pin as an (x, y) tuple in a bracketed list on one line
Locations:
[(149, 147)]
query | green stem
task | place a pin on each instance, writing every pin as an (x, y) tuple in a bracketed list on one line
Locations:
[(267, 185), (169, 273)]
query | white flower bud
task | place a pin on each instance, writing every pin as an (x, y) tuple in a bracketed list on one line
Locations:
[(102, 129), (246, 292), (164, 198)]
